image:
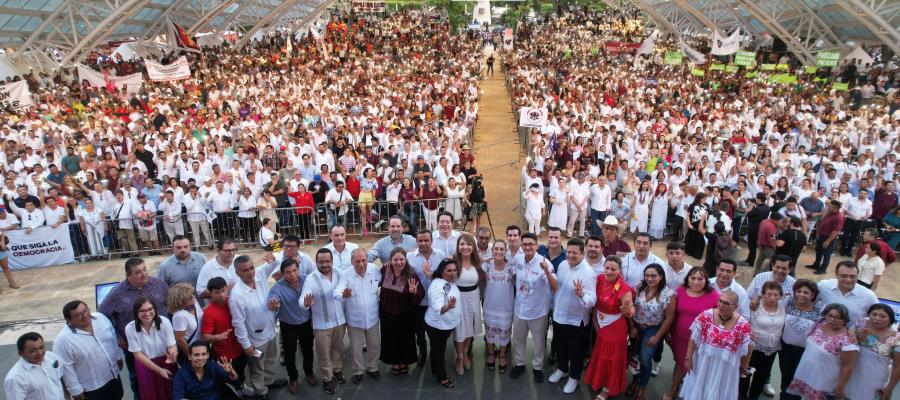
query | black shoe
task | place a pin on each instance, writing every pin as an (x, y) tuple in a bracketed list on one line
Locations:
[(538, 376), (819, 272), (423, 355), (339, 377), (811, 266), (374, 375), (356, 379), (277, 384), (517, 371), (329, 386), (552, 359)]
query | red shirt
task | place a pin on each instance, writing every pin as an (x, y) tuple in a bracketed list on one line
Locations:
[(217, 319), (829, 224), (767, 232), (616, 248), (885, 251), (303, 203)]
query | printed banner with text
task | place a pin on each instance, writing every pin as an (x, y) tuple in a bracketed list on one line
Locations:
[(46, 246), (532, 117), (15, 95), (175, 71)]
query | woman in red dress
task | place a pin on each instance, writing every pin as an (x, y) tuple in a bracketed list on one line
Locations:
[(614, 308)]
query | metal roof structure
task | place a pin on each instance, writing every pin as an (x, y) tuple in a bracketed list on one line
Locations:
[(62, 32), (805, 26)]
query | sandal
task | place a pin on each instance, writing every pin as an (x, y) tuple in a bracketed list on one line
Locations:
[(490, 361), (447, 383), (502, 363), (641, 393), (404, 370), (395, 370)]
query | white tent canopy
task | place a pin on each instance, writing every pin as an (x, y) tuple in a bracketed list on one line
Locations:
[(7, 68), (858, 54)]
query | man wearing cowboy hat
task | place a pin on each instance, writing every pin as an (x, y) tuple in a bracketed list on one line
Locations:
[(613, 245)]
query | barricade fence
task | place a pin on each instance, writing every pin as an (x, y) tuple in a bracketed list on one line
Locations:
[(153, 234)]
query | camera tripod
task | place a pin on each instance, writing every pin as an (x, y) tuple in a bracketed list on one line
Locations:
[(476, 209)]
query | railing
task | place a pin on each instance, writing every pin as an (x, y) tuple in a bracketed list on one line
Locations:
[(153, 235)]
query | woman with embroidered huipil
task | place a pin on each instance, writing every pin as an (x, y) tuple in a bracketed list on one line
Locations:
[(499, 295), (878, 368), (606, 372), (829, 358), (801, 313), (718, 352)]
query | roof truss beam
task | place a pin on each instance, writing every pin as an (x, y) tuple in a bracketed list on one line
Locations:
[(869, 14)]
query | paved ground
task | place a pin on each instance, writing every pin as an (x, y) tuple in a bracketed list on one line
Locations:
[(38, 304)]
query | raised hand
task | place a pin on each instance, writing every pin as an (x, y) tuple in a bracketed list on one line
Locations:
[(426, 268), (545, 266), (347, 292), (308, 300), (268, 257), (225, 364), (413, 285), (579, 288), (274, 304), (451, 302)]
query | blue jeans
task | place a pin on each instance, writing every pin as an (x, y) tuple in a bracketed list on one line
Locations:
[(595, 227), (335, 219), (646, 354), (823, 254)]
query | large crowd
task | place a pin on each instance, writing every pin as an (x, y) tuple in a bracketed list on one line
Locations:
[(379, 114)]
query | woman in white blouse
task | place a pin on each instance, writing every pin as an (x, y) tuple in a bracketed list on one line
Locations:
[(871, 266), (442, 316), (767, 323), (151, 340), (247, 215), (186, 315), (801, 313)]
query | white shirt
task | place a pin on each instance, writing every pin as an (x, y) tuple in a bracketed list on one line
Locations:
[(184, 321), (600, 197), (220, 202), (35, 382), (438, 295), (533, 295), (633, 269), (446, 246), (858, 210), (196, 208), (52, 215), (253, 321), (121, 212), (857, 300), (342, 260), (568, 308), (153, 343), (675, 279), (333, 196), (31, 219), (213, 269), (361, 309), (89, 361), (171, 211), (328, 306), (151, 212), (755, 287), (743, 299), (416, 261)]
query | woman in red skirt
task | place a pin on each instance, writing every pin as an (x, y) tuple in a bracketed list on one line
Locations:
[(606, 372)]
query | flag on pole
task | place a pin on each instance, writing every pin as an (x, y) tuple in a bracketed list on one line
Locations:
[(693, 56), (647, 45), (179, 38)]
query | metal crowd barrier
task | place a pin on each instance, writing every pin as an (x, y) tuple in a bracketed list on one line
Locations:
[(134, 237)]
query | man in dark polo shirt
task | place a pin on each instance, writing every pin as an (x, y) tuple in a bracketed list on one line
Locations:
[(216, 328), (765, 241), (831, 226), (553, 251), (791, 241), (757, 214), (612, 244)]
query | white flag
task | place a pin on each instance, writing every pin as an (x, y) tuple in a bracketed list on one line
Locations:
[(647, 45), (693, 56), (726, 46)]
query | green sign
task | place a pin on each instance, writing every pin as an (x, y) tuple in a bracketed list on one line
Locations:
[(717, 67), (810, 70), (782, 67), (751, 75), (783, 78), (698, 72), (731, 68), (745, 58), (827, 58), (715, 85), (674, 58), (840, 86), (767, 67)]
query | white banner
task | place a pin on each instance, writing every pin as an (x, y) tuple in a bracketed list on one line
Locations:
[(175, 71), (532, 117), (15, 95), (132, 83), (508, 38), (44, 247), (647, 45), (726, 46)]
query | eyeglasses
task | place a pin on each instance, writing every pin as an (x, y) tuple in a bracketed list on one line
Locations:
[(87, 311)]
